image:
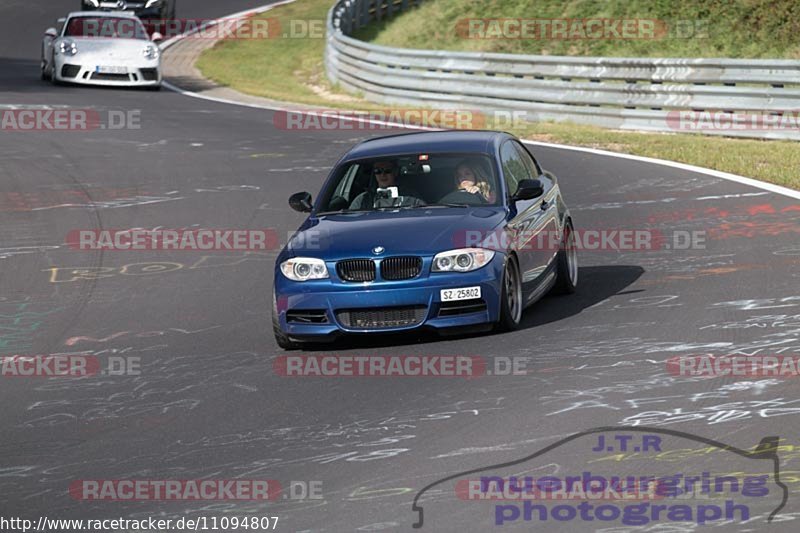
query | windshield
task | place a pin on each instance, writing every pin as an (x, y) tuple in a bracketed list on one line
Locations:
[(106, 27), (419, 180)]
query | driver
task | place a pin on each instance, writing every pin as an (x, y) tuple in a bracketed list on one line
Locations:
[(385, 173)]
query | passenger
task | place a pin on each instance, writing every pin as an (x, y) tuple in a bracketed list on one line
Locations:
[(471, 176)]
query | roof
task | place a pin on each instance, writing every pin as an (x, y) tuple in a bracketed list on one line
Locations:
[(127, 14), (454, 141)]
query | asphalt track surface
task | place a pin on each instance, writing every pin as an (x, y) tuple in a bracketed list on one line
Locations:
[(208, 404)]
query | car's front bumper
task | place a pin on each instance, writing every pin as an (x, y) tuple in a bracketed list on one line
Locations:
[(138, 75), (334, 296)]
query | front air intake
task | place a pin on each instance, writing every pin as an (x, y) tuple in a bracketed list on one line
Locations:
[(70, 71), (386, 317)]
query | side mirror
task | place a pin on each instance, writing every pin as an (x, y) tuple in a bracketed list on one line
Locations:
[(528, 190), (50, 32), (301, 201), (156, 37)]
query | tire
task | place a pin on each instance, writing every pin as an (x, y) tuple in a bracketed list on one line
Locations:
[(511, 304), (567, 263), (53, 78), (284, 341), (44, 75)]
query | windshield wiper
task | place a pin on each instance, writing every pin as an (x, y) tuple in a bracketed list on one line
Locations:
[(389, 208), (342, 212), (437, 205)]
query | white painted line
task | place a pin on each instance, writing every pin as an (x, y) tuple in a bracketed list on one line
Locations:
[(295, 110), (726, 196), (618, 205), (777, 189)]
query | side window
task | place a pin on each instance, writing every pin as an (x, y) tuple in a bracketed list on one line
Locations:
[(60, 25), (531, 166), (513, 168)]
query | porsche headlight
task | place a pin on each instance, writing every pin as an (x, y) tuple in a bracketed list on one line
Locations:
[(304, 268), (68, 48), (462, 260), (150, 51)]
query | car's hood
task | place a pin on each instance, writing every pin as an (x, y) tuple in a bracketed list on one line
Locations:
[(405, 232), (110, 50)]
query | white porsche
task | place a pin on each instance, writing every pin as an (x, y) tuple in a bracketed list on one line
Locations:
[(101, 48)]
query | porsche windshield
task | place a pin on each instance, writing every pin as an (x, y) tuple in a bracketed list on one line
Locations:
[(106, 27), (419, 180)]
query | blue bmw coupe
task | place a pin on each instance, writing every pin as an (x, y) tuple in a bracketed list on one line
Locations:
[(451, 230)]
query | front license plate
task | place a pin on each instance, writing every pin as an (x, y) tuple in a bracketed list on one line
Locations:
[(111, 70), (467, 293)]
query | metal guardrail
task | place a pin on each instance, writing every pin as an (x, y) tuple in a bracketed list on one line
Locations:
[(754, 98)]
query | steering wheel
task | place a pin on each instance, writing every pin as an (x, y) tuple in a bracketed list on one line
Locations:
[(463, 197)]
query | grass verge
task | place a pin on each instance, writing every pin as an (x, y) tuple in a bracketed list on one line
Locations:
[(681, 28), (292, 70)]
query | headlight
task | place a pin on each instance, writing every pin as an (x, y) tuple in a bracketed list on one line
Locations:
[(462, 260), (304, 268), (68, 48), (150, 51), (151, 3)]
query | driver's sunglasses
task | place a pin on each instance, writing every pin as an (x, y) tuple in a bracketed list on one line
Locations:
[(378, 171)]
